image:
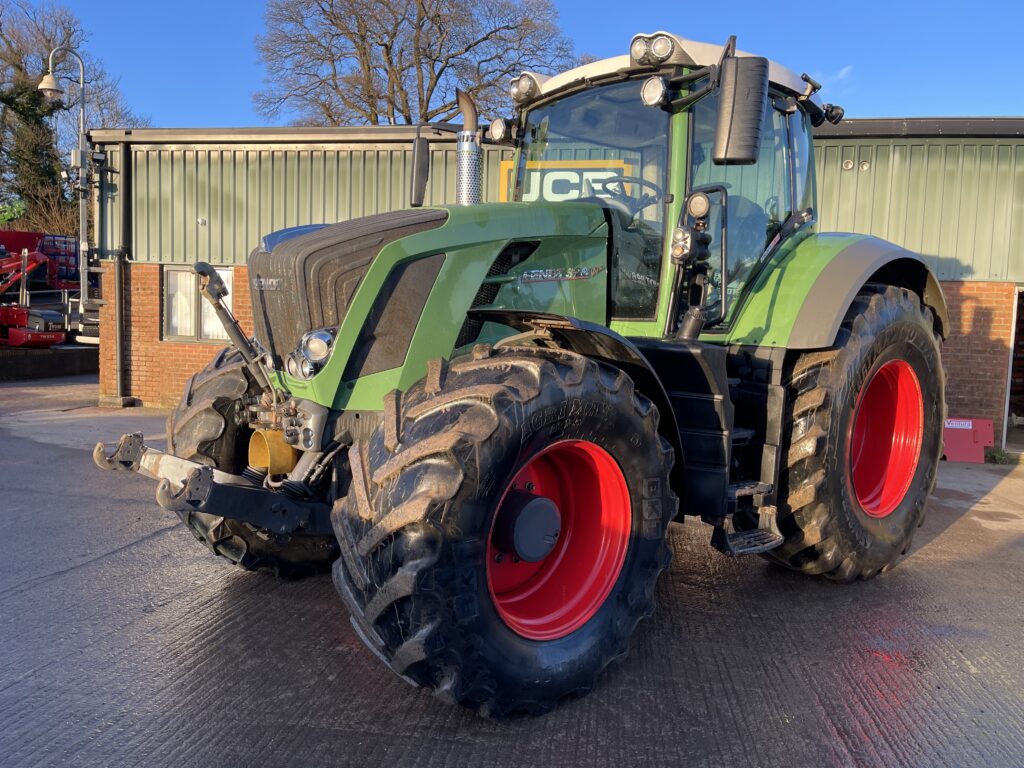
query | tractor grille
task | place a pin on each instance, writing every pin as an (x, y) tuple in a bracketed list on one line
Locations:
[(307, 281), (512, 256)]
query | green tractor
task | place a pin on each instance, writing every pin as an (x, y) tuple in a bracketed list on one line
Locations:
[(484, 417)]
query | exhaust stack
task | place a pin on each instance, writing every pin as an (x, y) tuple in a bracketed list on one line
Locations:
[(468, 186)]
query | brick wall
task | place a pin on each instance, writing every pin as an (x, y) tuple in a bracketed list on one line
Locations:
[(155, 370), (975, 355), (977, 352)]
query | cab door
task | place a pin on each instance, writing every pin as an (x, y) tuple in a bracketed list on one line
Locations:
[(759, 196)]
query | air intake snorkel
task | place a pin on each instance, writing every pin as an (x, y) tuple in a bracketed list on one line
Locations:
[(467, 154)]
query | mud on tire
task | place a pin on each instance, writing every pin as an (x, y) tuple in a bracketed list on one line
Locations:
[(828, 531), (208, 426), (415, 527)]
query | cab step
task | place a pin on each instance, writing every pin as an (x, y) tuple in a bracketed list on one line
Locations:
[(764, 538)]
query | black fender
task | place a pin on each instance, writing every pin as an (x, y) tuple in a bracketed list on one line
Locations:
[(868, 260), (604, 345)]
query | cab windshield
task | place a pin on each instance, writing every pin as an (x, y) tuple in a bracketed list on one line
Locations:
[(603, 145)]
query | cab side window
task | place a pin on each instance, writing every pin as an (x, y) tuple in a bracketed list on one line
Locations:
[(804, 190), (759, 195)]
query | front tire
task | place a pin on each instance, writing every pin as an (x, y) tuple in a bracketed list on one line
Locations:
[(209, 427), (863, 440), (434, 587)]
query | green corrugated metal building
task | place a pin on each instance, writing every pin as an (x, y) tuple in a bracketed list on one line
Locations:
[(210, 195), (951, 189)]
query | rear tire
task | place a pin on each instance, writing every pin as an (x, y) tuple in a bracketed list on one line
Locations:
[(209, 426), (419, 571), (850, 496)]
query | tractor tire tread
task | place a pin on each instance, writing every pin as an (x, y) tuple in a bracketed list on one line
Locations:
[(811, 544), (390, 558)]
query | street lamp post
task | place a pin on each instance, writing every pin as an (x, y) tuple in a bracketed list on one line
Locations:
[(52, 90)]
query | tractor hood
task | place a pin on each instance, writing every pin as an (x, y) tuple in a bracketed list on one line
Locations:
[(303, 278), (393, 290)]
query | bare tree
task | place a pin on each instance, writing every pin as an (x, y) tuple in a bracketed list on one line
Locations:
[(47, 210), (37, 136), (336, 62), (105, 107)]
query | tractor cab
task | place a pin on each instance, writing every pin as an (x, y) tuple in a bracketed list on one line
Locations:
[(643, 134)]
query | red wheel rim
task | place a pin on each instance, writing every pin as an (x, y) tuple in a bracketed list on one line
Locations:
[(887, 431), (554, 597)]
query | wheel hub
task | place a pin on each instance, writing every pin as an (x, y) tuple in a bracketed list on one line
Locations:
[(527, 526)]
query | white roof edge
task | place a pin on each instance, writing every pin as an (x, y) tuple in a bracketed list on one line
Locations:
[(702, 55)]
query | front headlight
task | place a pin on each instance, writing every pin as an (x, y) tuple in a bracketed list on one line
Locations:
[(661, 47), (526, 86), (653, 49), (313, 351), (499, 130), (316, 345), (639, 49), (654, 91)]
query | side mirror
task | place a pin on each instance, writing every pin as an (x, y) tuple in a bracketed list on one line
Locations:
[(420, 171), (743, 91)]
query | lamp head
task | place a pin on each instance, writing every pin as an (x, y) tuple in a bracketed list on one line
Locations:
[(50, 87)]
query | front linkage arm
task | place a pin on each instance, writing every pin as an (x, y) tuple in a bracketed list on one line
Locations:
[(188, 486), (212, 288)]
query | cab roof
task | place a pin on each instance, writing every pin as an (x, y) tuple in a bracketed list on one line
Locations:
[(687, 53)]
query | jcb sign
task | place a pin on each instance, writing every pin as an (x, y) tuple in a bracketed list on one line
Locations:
[(555, 180)]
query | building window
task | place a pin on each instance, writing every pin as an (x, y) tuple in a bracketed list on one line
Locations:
[(187, 316)]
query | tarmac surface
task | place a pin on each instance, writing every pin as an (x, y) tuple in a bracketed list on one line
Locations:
[(123, 642)]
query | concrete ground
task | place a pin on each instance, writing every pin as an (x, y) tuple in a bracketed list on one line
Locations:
[(123, 642)]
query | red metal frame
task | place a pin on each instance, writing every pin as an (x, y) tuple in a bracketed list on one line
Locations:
[(556, 596), (14, 240), (11, 271)]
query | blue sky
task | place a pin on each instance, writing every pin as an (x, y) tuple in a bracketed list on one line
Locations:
[(194, 64)]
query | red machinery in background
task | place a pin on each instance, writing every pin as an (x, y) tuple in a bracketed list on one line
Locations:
[(22, 257), (61, 252), (14, 240), (24, 327), (16, 268), (58, 252)]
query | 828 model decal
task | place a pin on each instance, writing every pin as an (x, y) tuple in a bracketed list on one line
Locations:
[(557, 275)]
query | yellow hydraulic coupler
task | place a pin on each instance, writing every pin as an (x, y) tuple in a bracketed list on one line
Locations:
[(269, 451)]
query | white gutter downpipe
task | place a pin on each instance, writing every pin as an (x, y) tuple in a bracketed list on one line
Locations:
[(468, 182)]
